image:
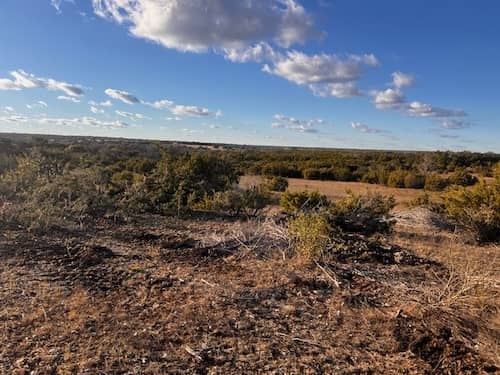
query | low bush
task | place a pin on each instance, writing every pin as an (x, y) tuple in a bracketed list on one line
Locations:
[(462, 178), (434, 182), (302, 201), (414, 181), (366, 214), (247, 202), (310, 234), (474, 211), (276, 183)]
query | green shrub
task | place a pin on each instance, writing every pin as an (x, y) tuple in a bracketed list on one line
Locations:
[(236, 202), (310, 233), (396, 179), (434, 182), (414, 181), (462, 178), (276, 183), (311, 174), (367, 214), (475, 211), (302, 201)]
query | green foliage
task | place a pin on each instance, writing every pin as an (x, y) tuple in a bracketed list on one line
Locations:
[(367, 214), (396, 179), (462, 178), (236, 202), (302, 201), (276, 183), (434, 182), (414, 181), (310, 233), (475, 211)]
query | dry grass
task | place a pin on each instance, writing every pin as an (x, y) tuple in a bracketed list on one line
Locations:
[(338, 189), (212, 297)]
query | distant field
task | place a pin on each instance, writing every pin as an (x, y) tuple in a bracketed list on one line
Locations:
[(338, 189)]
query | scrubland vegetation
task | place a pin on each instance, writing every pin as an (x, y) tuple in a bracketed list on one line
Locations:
[(130, 257)]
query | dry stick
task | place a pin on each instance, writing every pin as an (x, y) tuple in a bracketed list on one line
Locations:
[(333, 279), (193, 353), (304, 341), (206, 282)]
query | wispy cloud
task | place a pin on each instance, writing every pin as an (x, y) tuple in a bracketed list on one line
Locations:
[(291, 123), (122, 96), (22, 80)]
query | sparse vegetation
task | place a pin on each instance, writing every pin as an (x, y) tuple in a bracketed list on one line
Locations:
[(475, 211), (112, 264)]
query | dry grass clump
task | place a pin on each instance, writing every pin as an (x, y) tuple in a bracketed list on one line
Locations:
[(311, 234)]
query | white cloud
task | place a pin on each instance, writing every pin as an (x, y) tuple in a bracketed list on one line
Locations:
[(161, 104), (107, 103), (363, 128), (325, 75), (14, 119), (123, 96), (291, 123), (8, 109), (81, 121), (57, 4), (418, 109), (132, 116), (338, 90), (400, 80), (194, 111), (173, 118), (68, 98), (455, 124), (96, 110), (198, 25), (257, 53), (22, 80), (388, 99), (42, 104)]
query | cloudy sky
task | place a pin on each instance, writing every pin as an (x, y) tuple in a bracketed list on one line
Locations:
[(387, 74)]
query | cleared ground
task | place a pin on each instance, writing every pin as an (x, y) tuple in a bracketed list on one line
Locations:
[(226, 297)]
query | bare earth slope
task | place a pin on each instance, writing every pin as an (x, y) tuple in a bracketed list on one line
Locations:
[(210, 297)]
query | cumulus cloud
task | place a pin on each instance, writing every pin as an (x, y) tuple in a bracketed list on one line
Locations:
[(121, 95), (325, 75), (388, 99), (8, 109), (256, 53), (68, 98), (198, 25), (23, 80), (363, 128), (131, 116), (183, 110), (291, 123), (400, 80), (194, 111), (418, 109)]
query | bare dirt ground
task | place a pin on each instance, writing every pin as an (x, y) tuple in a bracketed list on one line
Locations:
[(223, 297), (338, 189)]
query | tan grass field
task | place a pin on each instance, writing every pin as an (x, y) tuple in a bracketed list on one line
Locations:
[(338, 189)]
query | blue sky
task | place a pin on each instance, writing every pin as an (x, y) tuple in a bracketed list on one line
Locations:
[(353, 73)]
